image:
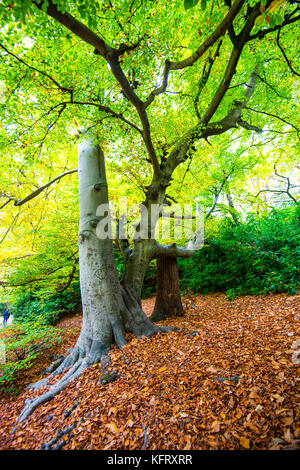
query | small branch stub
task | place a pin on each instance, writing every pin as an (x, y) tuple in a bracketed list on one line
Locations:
[(101, 184)]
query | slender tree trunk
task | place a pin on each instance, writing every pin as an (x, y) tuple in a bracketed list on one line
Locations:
[(135, 266), (233, 211), (168, 298)]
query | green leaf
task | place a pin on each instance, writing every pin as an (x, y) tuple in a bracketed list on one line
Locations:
[(203, 4), (272, 22), (191, 3), (278, 19)]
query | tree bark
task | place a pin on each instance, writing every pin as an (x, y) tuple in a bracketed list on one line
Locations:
[(168, 298), (135, 266), (108, 309), (233, 211)]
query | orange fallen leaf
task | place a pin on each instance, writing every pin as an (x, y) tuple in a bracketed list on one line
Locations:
[(244, 441), (113, 427), (215, 427), (254, 396), (212, 369)]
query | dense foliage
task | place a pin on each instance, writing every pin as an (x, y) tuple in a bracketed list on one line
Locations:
[(259, 256), (23, 343), (45, 310)]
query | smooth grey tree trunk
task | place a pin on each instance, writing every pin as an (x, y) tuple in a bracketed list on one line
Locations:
[(108, 308), (99, 284)]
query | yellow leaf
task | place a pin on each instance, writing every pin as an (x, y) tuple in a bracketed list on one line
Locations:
[(244, 442), (113, 428), (215, 427), (275, 364), (212, 369), (162, 369), (274, 5)]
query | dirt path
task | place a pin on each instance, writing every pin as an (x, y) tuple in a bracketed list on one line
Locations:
[(9, 321)]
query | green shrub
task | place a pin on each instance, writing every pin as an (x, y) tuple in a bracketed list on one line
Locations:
[(258, 256), (23, 342), (32, 307)]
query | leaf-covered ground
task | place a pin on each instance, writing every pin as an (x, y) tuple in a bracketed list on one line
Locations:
[(232, 386)]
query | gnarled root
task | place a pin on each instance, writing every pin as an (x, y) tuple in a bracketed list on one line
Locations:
[(76, 362), (89, 352)]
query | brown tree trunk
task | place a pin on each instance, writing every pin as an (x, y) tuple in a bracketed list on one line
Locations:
[(168, 299)]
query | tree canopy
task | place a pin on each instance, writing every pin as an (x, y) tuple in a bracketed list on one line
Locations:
[(166, 80), (161, 82)]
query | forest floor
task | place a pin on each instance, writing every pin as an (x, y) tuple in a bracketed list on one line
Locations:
[(234, 385)]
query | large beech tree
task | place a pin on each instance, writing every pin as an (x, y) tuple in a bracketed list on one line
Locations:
[(214, 65)]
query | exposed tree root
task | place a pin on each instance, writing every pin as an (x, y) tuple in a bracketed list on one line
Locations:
[(30, 406), (57, 442), (76, 364), (80, 359)]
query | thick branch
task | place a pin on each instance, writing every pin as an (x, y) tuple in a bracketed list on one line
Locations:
[(189, 61), (205, 76), (111, 55), (78, 28), (249, 127), (224, 85), (200, 131), (231, 67), (171, 250)]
